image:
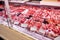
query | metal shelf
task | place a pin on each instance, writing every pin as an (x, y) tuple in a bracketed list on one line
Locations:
[(57, 4)]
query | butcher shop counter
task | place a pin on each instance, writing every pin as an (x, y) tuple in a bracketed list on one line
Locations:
[(33, 5)]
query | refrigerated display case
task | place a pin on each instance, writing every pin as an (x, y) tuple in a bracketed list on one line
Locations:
[(41, 20)]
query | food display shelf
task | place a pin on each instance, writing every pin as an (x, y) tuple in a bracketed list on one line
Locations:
[(36, 17)]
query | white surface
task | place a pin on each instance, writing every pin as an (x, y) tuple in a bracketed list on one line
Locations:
[(18, 1), (50, 3), (33, 28), (42, 31), (25, 11), (24, 25), (58, 38), (15, 22)]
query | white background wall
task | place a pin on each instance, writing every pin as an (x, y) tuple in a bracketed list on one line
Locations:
[(19, 0)]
